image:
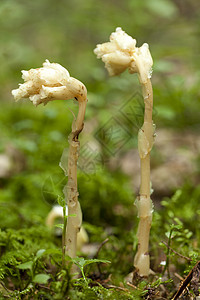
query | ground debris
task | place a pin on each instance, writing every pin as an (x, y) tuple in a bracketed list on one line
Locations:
[(192, 279)]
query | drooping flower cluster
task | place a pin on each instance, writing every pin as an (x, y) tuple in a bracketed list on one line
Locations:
[(51, 82), (121, 53)]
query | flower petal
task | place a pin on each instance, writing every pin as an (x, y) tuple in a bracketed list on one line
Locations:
[(123, 40), (55, 93), (116, 62), (144, 62), (63, 73), (105, 48)]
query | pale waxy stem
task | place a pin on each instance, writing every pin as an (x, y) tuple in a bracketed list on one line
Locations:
[(74, 220), (144, 203)]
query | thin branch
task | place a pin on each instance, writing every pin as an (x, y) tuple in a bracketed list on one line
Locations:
[(100, 246), (182, 256), (97, 254), (187, 280)]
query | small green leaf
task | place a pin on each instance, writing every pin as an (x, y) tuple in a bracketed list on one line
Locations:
[(26, 265), (53, 251), (41, 278), (59, 226), (40, 253), (61, 201), (91, 261), (81, 262)]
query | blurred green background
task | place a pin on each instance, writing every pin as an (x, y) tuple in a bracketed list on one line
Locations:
[(66, 32), (32, 139)]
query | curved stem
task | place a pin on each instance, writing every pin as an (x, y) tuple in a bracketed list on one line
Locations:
[(74, 220), (144, 203)]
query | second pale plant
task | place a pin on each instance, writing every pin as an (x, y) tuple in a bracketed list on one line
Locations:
[(118, 55)]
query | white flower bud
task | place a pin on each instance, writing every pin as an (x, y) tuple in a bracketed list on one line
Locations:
[(121, 53), (51, 82)]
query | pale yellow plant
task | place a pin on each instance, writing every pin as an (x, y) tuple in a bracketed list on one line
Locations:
[(118, 55), (53, 82)]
